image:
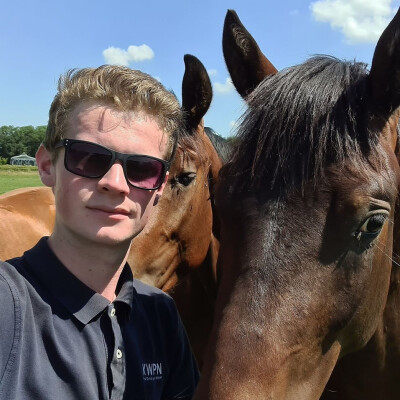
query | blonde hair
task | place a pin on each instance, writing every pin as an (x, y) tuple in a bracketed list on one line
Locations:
[(119, 87)]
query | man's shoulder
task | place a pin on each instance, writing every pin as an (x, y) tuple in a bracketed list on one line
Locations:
[(10, 314), (9, 271), (16, 274), (7, 275), (147, 290), (153, 298)]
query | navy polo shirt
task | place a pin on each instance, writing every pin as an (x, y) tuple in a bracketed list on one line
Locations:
[(60, 340)]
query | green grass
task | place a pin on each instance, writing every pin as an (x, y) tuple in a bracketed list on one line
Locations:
[(15, 177)]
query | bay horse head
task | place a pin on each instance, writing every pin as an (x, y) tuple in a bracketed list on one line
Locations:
[(307, 206), (181, 232)]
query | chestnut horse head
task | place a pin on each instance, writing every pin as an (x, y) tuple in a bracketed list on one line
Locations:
[(306, 206)]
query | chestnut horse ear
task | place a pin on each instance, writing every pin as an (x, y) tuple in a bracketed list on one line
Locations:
[(196, 91), (246, 64), (384, 77)]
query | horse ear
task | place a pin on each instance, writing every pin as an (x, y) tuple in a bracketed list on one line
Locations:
[(246, 63), (196, 91), (384, 77)]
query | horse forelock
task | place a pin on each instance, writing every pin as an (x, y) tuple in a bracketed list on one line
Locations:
[(301, 120), (192, 145)]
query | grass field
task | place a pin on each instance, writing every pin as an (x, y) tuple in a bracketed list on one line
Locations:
[(15, 177)]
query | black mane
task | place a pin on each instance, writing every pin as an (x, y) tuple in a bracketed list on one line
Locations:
[(299, 121), (221, 145)]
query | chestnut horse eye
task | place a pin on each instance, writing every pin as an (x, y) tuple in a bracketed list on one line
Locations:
[(186, 179)]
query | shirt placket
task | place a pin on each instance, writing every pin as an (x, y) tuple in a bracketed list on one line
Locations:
[(117, 365)]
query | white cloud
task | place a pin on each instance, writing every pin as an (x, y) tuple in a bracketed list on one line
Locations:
[(212, 72), (117, 56), (360, 21), (226, 87), (140, 53)]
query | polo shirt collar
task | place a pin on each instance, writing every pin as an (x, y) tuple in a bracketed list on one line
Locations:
[(80, 300)]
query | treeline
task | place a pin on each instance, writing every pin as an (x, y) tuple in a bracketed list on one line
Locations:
[(19, 140)]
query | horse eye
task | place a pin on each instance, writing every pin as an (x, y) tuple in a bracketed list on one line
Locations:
[(373, 224), (369, 230), (186, 178)]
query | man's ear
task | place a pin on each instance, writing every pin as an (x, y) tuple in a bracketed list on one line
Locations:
[(45, 166), (156, 199), (160, 190)]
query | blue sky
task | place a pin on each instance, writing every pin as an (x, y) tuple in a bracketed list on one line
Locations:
[(41, 39)]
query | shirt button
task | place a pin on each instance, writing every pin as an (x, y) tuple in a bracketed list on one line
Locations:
[(113, 312), (119, 354)]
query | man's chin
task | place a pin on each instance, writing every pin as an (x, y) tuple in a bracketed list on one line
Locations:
[(117, 239)]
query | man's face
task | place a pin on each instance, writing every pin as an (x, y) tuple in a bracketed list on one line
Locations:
[(105, 210)]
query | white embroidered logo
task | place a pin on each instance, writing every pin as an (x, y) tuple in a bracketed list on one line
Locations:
[(152, 371)]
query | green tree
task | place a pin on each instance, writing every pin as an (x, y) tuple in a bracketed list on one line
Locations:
[(18, 140)]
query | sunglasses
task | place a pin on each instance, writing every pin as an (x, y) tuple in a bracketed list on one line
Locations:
[(92, 160)]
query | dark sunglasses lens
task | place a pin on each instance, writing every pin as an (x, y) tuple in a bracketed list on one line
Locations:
[(144, 172), (87, 159)]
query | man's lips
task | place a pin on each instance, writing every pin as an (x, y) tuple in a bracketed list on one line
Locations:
[(109, 210)]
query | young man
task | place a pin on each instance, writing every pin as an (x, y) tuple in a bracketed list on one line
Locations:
[(74, 323)]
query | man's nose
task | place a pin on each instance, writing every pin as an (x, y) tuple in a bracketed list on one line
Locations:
[(114, 179)]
